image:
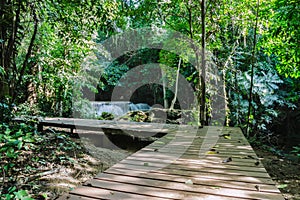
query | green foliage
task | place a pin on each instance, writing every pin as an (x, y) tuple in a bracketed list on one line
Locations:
[(46, 45), (5, 111), (23, 150), (14, 139), (82, 108), (266, 93), (112, 75), (106, 116), (25, 109), (2, 72), (138, 116), (54, 54), (296, 151), (13, 193), (283, 36)]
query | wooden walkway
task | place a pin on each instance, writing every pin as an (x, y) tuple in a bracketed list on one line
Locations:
[(187, 163), (136, 128)]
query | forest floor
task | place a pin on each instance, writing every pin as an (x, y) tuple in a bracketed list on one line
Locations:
[(53, 165), (284, 171), (92, 160)]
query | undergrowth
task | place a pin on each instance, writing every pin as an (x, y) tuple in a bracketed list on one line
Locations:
[(26, 154)]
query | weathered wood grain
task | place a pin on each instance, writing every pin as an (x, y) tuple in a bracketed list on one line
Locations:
[(187, 163)]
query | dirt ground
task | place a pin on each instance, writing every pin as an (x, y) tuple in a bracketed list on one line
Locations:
[(91, 162), (50, 178), (284, 171)]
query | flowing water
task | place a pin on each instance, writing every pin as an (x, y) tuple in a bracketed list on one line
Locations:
[(118, 108)]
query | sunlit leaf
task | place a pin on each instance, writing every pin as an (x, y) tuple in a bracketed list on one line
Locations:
[(189, 182), (281, 186)]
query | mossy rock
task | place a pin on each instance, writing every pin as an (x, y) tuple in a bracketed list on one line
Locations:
[(137, 116), (106, 116), (159, 115)]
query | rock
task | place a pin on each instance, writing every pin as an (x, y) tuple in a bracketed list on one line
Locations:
[(106, 116), (137, 116), (160, 115)]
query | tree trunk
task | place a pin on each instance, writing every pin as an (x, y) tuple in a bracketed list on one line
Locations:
[(252, 70), (176, 86), (164, 84), (28, 53), (203, 66)]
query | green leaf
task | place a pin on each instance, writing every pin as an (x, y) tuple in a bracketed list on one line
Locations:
[(281, 186), (27, 198), (2, 72), (20, 145), (7, 131), (8, 197), (159, 142), (21, 194), (12, 189), (227, 137)]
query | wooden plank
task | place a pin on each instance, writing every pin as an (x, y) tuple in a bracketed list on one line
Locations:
[(238, 138), (91, 124), (156, 192), (74, 197), (238, 160), (220, 171), (201, 163), (192, 174), (187, 171), (209, 181), (196, 146), (109, 193), (242, 157), (241, 154), (220, 145), (190, 189), (215, 159)]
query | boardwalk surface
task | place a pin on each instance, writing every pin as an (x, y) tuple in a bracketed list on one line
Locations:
[(187, 163), (137, 128)]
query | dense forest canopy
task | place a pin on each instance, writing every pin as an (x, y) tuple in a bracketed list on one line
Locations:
[(50, 54)]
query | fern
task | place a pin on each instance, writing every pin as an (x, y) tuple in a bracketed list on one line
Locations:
[(266, 92)]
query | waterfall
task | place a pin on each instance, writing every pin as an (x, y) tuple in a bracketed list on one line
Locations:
[(118, 108), (139, 106)]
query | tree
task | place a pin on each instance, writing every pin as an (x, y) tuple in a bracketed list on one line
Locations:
[(203, 64), (282, 37), (43, 44), (19, 29), (176, 86), (253, 62)]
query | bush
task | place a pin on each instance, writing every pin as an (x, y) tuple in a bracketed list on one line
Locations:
[(6, 111)]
